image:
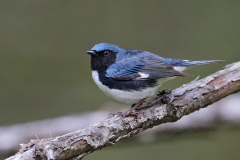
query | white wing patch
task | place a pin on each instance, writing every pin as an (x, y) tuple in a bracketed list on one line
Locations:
[(143, 75), (180, 69)]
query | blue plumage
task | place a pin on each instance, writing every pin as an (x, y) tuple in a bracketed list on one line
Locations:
[(105, 46), (131, 75)]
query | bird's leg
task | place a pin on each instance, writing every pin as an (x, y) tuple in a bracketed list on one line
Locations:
[(132, 110)]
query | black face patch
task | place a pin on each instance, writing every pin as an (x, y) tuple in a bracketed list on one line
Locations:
[(102, 60)]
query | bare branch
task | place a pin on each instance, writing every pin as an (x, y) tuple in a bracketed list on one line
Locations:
[(167, 107), (226, 111), (12, 136)]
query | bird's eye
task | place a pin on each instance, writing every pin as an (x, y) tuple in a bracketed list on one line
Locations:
[(106, 53)]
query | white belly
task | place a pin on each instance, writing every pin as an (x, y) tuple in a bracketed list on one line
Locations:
[(124, 96)]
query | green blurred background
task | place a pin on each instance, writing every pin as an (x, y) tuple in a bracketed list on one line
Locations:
[(45, 73)]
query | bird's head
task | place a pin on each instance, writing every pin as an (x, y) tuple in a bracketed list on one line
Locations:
[(103, 55)]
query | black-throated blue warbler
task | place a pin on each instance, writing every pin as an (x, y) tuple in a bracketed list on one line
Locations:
[(129, 75)]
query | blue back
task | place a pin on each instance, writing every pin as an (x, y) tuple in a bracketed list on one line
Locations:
[(130, 63)]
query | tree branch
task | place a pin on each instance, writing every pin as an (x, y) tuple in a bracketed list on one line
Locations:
[(224, 112), (166, 107)]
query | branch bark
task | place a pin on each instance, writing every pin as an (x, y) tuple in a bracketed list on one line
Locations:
[(166, 107)]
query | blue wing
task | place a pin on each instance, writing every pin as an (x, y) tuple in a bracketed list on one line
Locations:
[(141, 67)]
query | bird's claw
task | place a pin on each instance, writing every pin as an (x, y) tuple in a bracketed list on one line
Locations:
[(133, 110)]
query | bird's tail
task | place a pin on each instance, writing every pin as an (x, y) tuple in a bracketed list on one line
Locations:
[(192, 63)]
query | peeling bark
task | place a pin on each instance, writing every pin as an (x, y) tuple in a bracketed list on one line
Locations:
[(166, 107)]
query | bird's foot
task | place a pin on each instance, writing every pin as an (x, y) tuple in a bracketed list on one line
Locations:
[(133, 110), (164, 94), (164, 98)]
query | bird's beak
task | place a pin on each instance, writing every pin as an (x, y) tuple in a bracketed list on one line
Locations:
[(92, 53)]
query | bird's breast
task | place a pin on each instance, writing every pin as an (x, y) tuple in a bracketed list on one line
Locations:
[(125, 91)]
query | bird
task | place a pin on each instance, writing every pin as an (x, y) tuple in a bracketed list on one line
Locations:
[(131, 76)]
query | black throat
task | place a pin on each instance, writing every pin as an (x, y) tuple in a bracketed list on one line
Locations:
[(100, 62)]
